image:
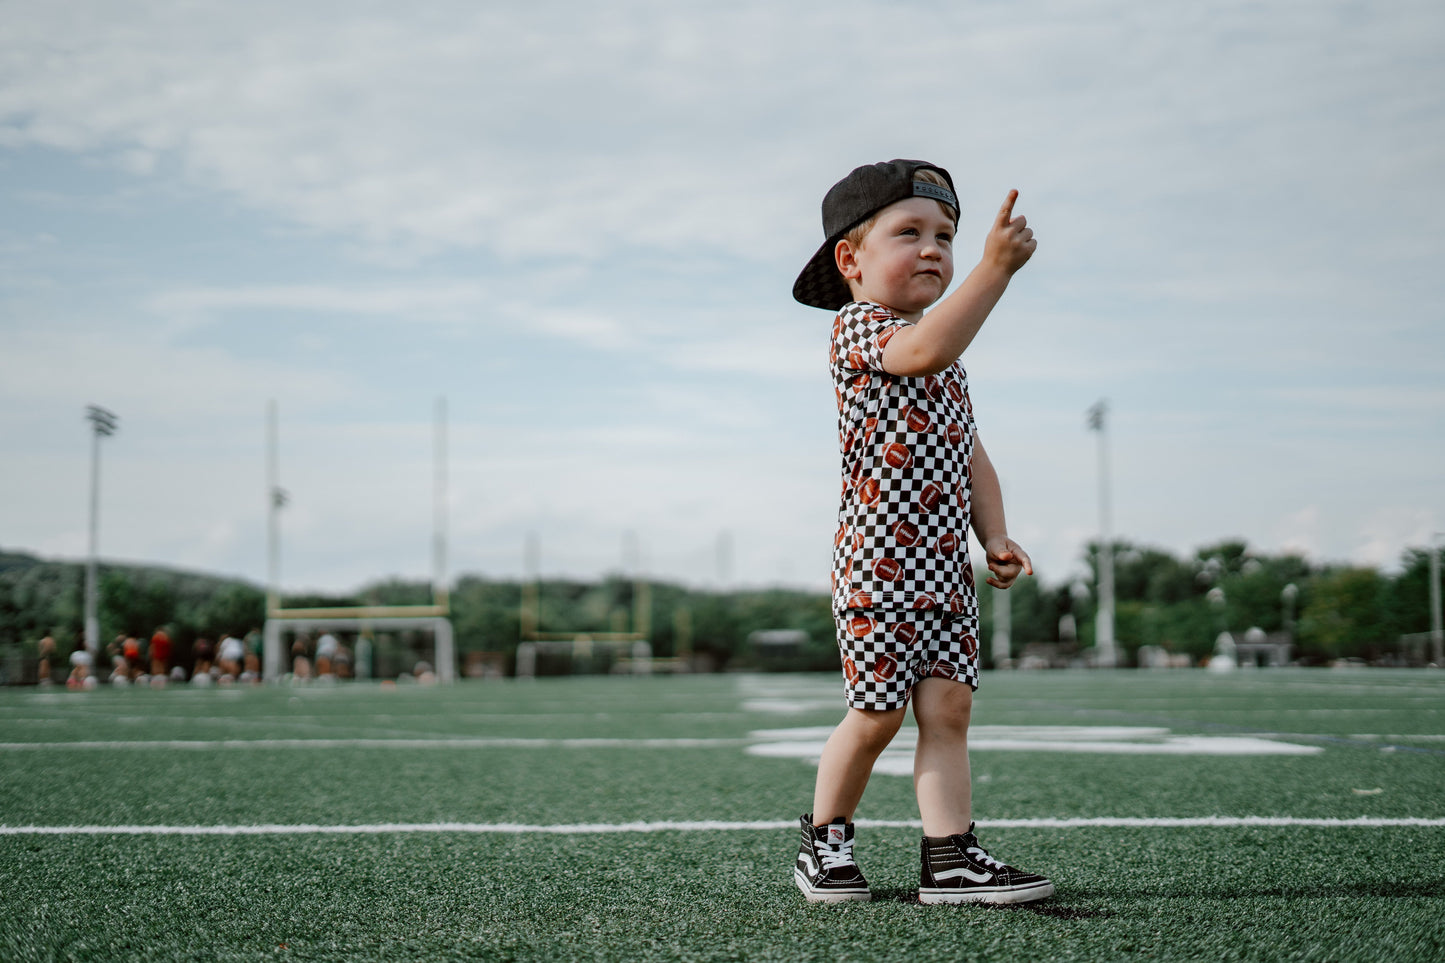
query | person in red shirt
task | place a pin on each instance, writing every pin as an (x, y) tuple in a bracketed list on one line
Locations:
[(160, 653)]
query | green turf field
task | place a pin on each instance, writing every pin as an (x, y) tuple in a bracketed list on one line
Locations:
[(1269, 815)]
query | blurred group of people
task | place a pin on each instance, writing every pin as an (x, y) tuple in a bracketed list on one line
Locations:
[(328, 659), (233, 659), (137, 660)]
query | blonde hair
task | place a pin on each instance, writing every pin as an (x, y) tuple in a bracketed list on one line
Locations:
[(856, 234)]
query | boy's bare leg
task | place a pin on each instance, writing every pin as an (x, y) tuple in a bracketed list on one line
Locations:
[(940, 764), (848, 759)]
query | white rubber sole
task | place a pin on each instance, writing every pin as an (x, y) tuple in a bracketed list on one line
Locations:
[(992, 896), (827, 895)]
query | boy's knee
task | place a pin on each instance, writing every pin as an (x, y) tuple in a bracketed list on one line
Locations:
[(875, 728), (946, 705)]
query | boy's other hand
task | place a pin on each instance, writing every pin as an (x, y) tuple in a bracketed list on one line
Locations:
[(1006, 560), (1010, 241)]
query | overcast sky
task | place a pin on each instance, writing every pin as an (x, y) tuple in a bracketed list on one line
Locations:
[(580, 223)]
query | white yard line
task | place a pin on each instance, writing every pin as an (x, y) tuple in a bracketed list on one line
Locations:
[(471, 743), (586, 829)]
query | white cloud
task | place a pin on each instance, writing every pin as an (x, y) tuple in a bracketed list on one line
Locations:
[(1386, 532), (1239, 204)]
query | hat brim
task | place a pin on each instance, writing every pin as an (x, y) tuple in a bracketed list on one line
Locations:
[(820, 285)]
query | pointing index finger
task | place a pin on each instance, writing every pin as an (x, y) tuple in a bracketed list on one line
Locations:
[(1006, 213)]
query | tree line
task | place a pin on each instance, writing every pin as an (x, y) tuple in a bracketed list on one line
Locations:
[(1179, 604)]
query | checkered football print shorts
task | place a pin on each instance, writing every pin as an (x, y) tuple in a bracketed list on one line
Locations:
[(886, 653)]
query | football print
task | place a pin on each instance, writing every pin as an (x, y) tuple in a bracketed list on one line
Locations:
[(884, 668), (850, 671), (943, 669), (929, 498), (868, 491), (905, 444), (886, 568), (860, 626), (897, 455), (970, 645), (906, 533)]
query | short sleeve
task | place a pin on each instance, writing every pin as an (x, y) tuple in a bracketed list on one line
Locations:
[(860, 333)]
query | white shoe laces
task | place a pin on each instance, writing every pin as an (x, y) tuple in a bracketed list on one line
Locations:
[(835, 857), (977, 854)]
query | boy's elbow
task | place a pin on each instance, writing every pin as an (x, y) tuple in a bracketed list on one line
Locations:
[(917, 364)]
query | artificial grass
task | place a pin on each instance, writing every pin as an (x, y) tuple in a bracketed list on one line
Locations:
[(1291, 893), (1326, 893)]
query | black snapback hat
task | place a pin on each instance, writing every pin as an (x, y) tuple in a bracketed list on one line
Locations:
[(848, 203)]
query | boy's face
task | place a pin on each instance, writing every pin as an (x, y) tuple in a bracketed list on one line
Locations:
[(906, 261)]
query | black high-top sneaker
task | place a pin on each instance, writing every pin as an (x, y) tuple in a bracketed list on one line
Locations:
[(957, 870), (825, 870)]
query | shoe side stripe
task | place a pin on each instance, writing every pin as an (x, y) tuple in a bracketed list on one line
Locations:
[(962, 872)]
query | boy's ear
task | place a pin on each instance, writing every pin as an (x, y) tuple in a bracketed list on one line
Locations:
[(846, 258)]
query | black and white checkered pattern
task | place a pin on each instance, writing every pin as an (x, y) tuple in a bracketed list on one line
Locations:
[(887, 652), (906, 444)]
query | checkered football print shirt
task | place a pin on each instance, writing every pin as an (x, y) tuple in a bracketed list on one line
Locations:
[(906, 443)]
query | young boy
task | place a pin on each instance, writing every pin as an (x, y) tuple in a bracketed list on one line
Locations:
[(915, 477)]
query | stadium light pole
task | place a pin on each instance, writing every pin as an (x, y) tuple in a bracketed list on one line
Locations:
[(103, 425), (276, 499), (1002, 628), (1437, 628), (1105, 654), (440, 594)]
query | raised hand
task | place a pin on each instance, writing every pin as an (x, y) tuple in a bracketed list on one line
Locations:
[(1010, 241)]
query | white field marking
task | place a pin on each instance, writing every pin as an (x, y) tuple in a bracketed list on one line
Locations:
[(582, 829), (908, 735), (476, 743), (807, 743), (790, 707)]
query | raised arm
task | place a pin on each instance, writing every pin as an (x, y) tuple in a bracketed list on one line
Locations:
[(942, 334), (1006, 560)]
